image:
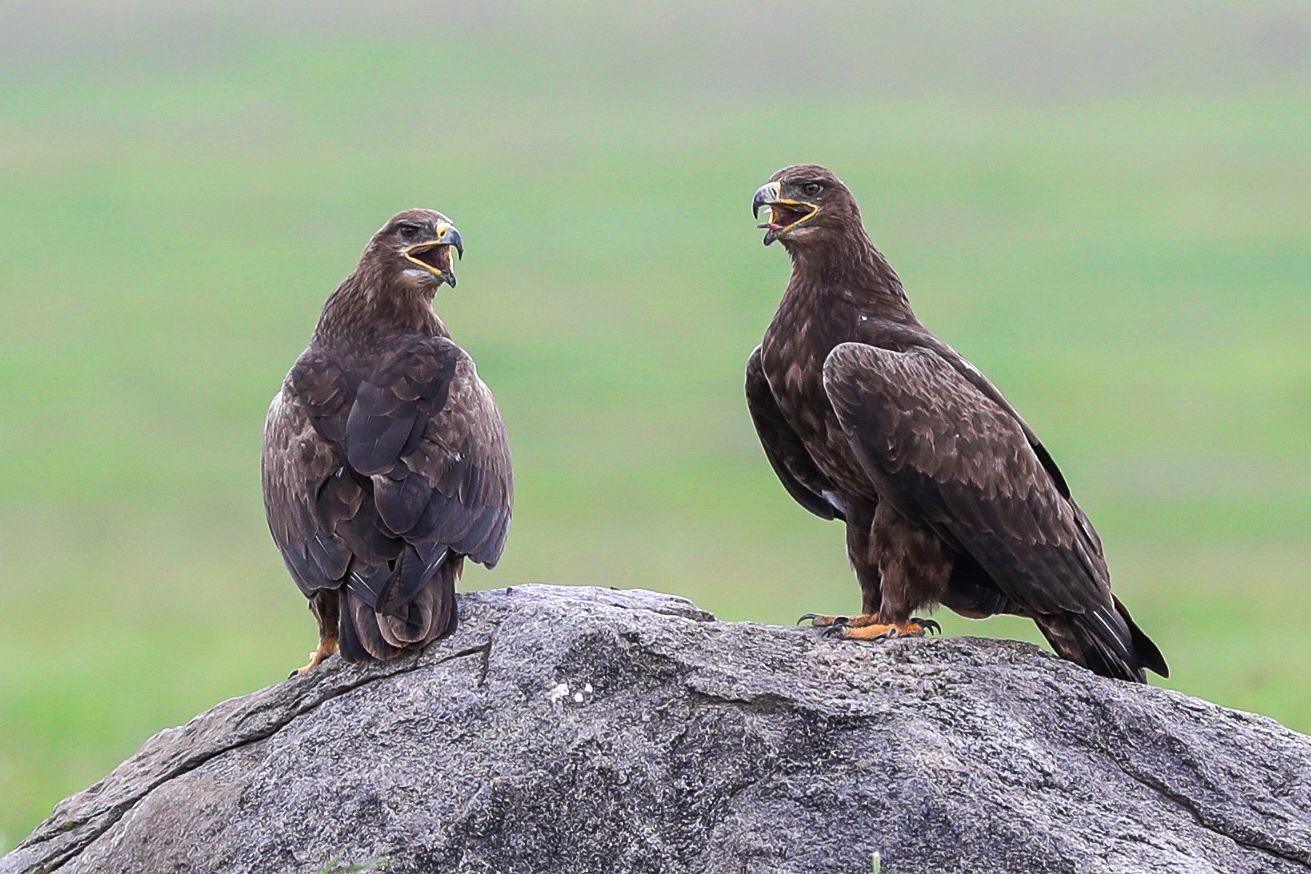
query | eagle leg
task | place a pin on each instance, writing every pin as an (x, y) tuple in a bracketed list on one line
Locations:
[(915, 627), (323, 604), (327, 646)]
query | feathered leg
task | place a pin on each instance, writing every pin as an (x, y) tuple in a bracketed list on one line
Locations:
[(323, 604), (896, 546), (861, 554)]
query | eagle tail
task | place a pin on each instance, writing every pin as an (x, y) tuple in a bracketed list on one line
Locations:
[(381, 629), (1105, 641), (359, 638), (1149, 655)]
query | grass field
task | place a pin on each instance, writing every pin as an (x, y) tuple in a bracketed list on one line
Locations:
[(1105, 207)]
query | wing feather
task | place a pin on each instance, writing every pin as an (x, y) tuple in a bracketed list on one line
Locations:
[(298, 466), (427, 432), (374, 482), (949, 455), (786, 453)]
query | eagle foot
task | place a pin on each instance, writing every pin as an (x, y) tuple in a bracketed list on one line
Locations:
[(882, 631), (326, 647), (820, 620)]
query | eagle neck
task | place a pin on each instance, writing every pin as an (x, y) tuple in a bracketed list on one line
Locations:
[(369, 307), (849, 271)]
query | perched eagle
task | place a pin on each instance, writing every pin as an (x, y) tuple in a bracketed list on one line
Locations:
[(947, 495), (385, 460)]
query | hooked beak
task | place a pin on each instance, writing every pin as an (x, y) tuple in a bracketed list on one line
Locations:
[(435, 255), (785, 214), (765, 195)]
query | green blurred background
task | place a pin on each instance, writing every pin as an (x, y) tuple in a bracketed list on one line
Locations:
[(1107, 206)]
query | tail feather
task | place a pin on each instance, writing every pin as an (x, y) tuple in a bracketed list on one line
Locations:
[(1149, 655), (393, 624), (430, 614), (1106, 641), (358, 636)]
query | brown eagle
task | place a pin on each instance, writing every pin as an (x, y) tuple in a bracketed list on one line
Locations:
[(385, 460), (947, 495)]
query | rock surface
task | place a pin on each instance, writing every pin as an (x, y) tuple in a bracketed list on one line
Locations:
[(589, 730)]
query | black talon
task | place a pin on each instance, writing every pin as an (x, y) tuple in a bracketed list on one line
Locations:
[(929, 626), (804, 616)]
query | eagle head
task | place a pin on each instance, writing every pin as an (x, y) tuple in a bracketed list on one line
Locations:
[(807, 202), (418, 244)]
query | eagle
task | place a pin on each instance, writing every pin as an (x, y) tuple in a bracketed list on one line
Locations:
[(947, 495), (385, 459)]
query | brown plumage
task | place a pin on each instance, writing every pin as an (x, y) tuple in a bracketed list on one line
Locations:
[(385, 460), (947, 495)]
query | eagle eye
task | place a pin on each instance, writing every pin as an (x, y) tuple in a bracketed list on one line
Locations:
[(812, 188), (407, 230)]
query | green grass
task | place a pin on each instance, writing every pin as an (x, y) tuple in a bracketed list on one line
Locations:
[(1104, 209)]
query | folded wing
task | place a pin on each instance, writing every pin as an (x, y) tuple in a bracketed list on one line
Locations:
[(947, 454), (786, 453), (379, 484)]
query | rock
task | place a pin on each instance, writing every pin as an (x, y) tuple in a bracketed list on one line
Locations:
[(587, 730)]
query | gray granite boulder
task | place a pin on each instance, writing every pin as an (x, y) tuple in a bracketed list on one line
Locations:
[(589, 730)]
